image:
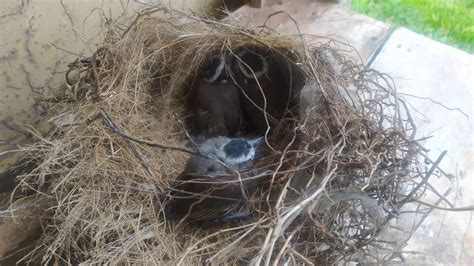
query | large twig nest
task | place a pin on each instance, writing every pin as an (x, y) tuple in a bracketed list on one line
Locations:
[(342, 163)]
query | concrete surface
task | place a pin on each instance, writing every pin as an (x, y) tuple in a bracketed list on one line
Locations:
[(37, 41), (323, 23), (434, 74)]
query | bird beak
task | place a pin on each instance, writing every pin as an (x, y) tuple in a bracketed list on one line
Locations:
[(256, 141)]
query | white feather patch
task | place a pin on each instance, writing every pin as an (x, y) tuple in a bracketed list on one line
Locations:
[(249, 73), (218, 72)]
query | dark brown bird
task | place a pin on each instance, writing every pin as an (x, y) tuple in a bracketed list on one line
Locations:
[(264, 86), (208, 200), (207, 192), (215, 101)]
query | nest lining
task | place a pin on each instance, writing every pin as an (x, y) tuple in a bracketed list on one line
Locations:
[(342, 167)]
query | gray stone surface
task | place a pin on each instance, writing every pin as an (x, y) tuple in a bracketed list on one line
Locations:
[(437, 74), (323, 23)]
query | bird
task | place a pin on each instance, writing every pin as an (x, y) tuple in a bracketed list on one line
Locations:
[(207, 193), (264, 87), (214, 101), (252, 65), (234, 152)]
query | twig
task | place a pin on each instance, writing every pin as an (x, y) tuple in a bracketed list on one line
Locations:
[(434, 206), (111, 124), (185, 131), (438, 103), (423, 182)]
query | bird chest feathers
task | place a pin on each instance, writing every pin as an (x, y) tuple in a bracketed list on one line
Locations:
[(215, 101), (264, 87), (217, 108)]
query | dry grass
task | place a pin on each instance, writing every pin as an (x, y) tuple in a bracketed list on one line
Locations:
[(342, 169)]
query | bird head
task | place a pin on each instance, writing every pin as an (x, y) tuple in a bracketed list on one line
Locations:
[(233, 152), (214, 71), (238, 151), (250, 63)]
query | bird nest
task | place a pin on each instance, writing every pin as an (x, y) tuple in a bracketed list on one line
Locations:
[(339, 165)]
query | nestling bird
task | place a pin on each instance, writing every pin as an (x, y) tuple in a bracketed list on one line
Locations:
[(214, 101), (263, 87), (206, 192), (251, 65)]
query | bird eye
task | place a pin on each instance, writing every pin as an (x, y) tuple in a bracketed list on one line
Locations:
[(215, 61), (248, 146)]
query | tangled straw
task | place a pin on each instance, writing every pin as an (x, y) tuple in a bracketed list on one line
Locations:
[(345, 165)]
